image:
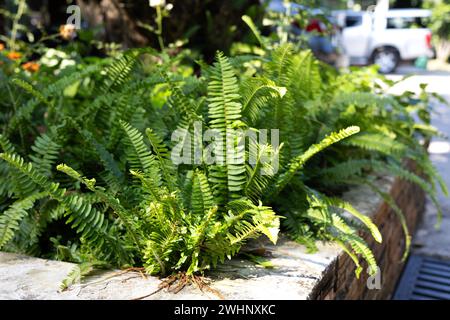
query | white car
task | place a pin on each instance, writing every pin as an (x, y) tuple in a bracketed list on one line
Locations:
[(385, 38)]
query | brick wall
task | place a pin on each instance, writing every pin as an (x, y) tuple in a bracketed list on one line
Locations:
[(340, 282)]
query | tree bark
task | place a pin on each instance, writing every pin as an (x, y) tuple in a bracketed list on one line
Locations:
[(114, 20), (443, 50)]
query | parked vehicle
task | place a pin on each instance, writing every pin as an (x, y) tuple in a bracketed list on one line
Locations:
[(320, 34), (385, 38)]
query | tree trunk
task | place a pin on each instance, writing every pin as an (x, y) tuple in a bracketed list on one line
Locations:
[(115, 21), (443, 50)]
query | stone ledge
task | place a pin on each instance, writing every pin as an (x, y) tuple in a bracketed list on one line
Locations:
[(294, 275), (327, 274)]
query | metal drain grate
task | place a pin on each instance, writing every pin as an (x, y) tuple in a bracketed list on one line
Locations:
[(424, 278)]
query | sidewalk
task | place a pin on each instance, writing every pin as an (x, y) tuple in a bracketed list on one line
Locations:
[(429, 240)]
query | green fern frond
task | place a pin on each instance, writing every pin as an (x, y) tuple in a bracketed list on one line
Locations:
[(198, 238), (159, 248), (46, 153), (10, 219), (398, 212), (254, 30), (423, 161), (79, 271), (30, 89), (179, 101), (21, 185), (279, 66), (352, 256), (256, 94), (6, 145), (338, 203), (244, 230), (89, 222), (150, 184), (202, 198), (360, 247), (162, 154), (407, 175), (139, 156), (377, 142), (345, 170), (223, 92), (109, 162), (262, 219), (23, 114), (261, 173), (75, 275), (57, 87), (343, 232), (119, 70), (187, 111), (305, 77), (126, 217), (224, 112), (298, 162)]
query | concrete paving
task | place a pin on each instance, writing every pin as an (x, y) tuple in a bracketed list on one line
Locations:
[(429, 240)]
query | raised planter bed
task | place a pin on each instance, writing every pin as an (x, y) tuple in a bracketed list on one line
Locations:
[(339, 281), (327, 274)]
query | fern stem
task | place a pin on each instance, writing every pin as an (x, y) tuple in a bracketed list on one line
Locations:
[(159, 30), (20, 11), (22, 141)]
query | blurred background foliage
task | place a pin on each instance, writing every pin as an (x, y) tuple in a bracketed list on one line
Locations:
[(202, 25)]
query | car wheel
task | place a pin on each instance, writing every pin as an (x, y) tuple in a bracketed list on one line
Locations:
[(386, 58)]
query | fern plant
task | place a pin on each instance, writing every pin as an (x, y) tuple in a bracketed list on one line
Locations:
[(389, 136), (90, 174)]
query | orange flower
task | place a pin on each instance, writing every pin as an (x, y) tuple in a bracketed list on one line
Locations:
[(31, 66), (2, 46), (13, 55), (67, 31)]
